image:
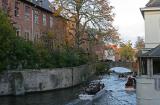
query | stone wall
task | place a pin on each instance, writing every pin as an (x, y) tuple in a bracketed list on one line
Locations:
[(20, 82)]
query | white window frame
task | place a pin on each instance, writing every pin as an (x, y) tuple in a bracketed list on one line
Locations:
[(44, 18)]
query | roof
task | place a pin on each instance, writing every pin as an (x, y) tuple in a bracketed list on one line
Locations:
[(155, 52), (153, 3), (45, 4)]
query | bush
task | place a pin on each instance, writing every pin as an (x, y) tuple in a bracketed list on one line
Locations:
[(22, 53), (68, 57), (14, 51), (100, 67)]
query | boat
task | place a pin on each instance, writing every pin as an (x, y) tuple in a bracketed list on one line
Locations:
[(131, 84), (93, 91), (131, 88), (122, 76)]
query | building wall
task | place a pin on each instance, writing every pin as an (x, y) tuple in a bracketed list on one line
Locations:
[(25, 21), (0, 3), (59, 31), (152, 28), (99, 51), (146, 92)]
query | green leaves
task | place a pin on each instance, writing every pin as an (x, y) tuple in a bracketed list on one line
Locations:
[(126, 52), (14, 51)]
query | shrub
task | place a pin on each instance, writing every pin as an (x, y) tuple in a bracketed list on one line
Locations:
[(100, 67), (14, 51)]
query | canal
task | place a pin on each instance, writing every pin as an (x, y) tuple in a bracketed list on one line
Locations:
[(115, 95)]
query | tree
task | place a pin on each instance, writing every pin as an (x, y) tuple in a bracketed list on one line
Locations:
[(139, 43), (94, 13), (14, 51), (112, 36), (6, 33), (127, 52)]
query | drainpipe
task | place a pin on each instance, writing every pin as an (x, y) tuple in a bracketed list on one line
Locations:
[(72, 76), (32, 24)]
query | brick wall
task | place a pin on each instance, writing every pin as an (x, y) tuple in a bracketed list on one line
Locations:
[(27, 28)]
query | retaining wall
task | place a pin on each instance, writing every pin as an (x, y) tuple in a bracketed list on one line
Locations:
[(20, 82)]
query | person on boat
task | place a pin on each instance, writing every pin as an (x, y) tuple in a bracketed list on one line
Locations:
[(129, 82), (134, 82), (122, 76)]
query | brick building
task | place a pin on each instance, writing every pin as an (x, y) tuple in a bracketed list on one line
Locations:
[(34, 19)]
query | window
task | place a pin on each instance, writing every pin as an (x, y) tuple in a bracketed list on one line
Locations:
[(44, 20), (36, 17), (16, 11), (27, 12), (5, 5), (36, 37), (40, 2), (26, 37), (17, 32), (51, 22)]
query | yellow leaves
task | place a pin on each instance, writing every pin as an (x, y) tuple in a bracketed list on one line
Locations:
[(50, 35), (77, 1), (58, 11)]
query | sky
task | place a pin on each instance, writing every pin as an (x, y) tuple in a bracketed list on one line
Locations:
[(128, 18)]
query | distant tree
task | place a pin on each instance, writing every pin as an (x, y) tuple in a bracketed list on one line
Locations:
[(94, 13), (139, 43), (126, 52)]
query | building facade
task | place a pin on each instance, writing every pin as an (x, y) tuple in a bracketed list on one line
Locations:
[(30, 18), (148, 82), (34, 19), (151, 14)]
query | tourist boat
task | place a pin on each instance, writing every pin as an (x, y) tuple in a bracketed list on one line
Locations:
[(131, 84), (122, 76), (130, 88), (93, 91)]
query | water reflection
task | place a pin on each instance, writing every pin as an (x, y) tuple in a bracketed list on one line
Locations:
[(58, 97)]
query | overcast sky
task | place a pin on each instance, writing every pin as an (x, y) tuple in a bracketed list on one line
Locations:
[(128, 18)]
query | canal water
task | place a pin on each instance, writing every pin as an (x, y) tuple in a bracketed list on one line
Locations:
[(115, 95)]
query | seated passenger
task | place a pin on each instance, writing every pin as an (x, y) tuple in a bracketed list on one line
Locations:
[(129, 82)]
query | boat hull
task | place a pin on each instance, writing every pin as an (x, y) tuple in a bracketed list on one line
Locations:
[(130, 88), (92, 97)]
